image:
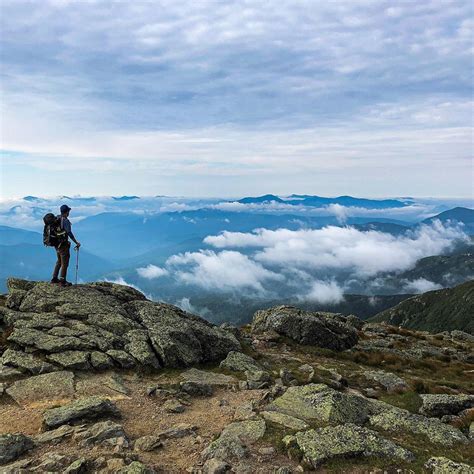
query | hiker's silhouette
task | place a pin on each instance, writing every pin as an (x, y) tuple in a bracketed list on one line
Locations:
[(57, 232)]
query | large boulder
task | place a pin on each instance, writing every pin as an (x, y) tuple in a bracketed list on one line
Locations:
[(180, 338), (101, 325), (439, 405), (397, 420), (320, 403), (346, 441), (327, 330)]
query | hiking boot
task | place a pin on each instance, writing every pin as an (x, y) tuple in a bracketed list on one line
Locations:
[(64, 283), (54, 280)]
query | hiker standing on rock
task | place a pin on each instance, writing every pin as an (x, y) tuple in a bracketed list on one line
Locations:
[(63, 247)]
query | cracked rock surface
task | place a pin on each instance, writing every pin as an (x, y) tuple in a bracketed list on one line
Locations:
[(102, 325)]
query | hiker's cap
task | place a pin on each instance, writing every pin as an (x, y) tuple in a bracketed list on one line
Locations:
[(64, 208)]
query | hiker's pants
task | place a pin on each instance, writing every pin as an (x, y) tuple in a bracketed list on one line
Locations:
[(62, 262)]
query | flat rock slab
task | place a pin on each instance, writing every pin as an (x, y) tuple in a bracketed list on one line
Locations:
[(287, 421), (55, 436), (318, 402), (398, 420), (84, 408), (248, 431), (346, 441), (109, 386), (211, 378), (43, 390)]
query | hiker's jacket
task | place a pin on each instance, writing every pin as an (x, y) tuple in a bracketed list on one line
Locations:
[(66, 225)]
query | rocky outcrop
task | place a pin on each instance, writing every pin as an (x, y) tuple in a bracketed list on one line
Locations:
[(54, 341), (101, 325), (439, 405), (318, 402), (346, 441), (396, 420), (327, 330)]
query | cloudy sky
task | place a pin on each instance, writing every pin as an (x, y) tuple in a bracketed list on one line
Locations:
[(214, 98)]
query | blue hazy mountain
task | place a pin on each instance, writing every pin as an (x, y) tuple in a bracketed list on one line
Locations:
[(105, 234), (463, 215), (124, 198), (120, 236), (261, 199), (386, 227), (13, 236), (318, 201), (31, 198), (349, 201)]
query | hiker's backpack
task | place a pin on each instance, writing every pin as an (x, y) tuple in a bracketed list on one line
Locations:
[(53, 234)]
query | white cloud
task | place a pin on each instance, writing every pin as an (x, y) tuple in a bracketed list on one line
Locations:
[(341, 212), (226, 270), (186, 305), (119, 280), (342, 248), (367, 87), (421, 285), (150, 272), (324, 292)]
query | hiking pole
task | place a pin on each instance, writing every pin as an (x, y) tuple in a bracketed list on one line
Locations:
[(77, 261)]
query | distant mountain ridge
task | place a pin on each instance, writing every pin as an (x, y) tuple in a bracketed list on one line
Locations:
[(462, 215), (435, 311), (319, 201), (261, 199)]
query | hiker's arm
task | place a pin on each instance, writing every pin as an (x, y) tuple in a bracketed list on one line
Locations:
[(67, 228), (71, 235)]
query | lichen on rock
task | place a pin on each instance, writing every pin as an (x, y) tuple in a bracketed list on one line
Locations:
[(346, 441), (321, 329), (99, 325)]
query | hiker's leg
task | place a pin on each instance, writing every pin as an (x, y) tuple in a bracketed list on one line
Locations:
[(58, 265), (65, 255)]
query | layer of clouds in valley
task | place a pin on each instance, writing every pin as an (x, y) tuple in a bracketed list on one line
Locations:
[(310, 265)]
